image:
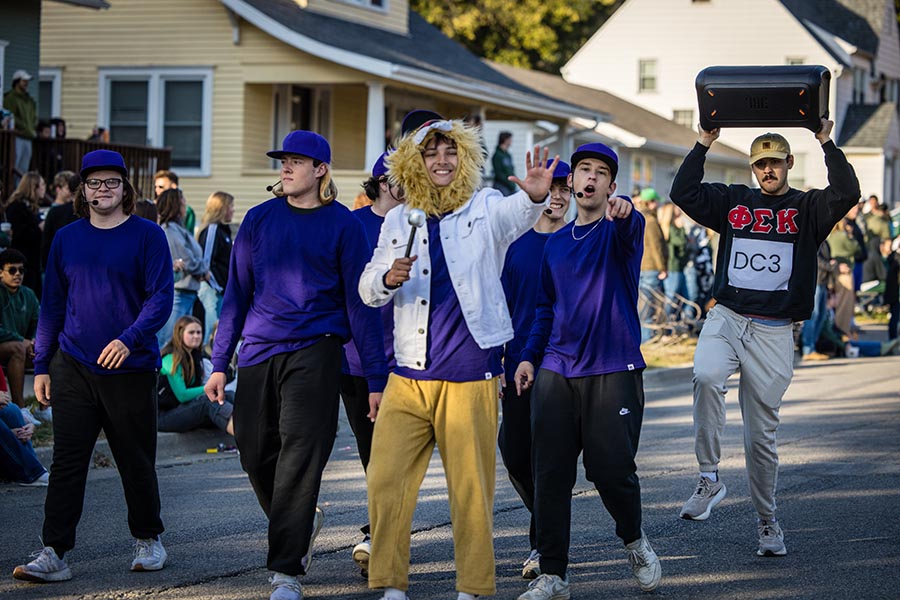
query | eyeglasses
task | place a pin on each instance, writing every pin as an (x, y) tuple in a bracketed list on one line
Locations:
[(16, 270), (110, 184)]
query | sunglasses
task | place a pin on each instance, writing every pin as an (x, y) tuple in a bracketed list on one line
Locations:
[(16, 270)]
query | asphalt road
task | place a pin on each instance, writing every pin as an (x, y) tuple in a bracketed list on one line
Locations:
[(839, 497)]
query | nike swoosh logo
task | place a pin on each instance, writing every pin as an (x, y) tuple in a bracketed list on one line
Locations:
[(624, 412)]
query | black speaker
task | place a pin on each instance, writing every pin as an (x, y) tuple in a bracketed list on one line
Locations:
[(763, 96)]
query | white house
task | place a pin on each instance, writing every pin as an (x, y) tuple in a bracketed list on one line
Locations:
[(661, 45)]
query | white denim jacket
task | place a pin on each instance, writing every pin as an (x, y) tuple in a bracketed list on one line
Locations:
[(475, 239)]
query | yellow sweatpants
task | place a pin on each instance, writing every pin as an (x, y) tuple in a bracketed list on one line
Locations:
[(462, 419)]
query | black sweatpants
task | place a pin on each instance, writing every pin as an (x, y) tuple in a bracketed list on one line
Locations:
[(355, 394), (285, 422), (124, 407), (602, 416), (514, 440)]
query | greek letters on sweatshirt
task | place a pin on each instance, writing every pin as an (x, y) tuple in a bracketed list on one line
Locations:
[(767, 253), (293, 280), (372, 224), (101, 285), (586, 322), (521, 280)]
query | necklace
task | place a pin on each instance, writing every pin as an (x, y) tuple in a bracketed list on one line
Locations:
[(578, 239)]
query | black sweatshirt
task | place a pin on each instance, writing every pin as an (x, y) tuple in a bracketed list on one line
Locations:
[(767, 253)]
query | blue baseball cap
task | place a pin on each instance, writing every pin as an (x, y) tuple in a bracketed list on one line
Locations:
[(99, 160), (304, 143), (379, 169), (598, 151), (561, 171), (416, 118)]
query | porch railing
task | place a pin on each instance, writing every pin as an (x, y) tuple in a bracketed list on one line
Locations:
[(51, 156)]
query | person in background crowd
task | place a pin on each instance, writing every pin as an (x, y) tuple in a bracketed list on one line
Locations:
[(183, 405), (521, 280), (189, 262), (62, 212), (18, 461), (215, 240), (671, 223), (292, 294), (146, 209), (826, 271), (99, 134), (854, 220), (878, 223), (23, 213), (96, 344), (890, 250), (655, 258), (58, 128), (18, 325), (751, 327), (167, 180), (845, 247), (24, 109), (503, 164)]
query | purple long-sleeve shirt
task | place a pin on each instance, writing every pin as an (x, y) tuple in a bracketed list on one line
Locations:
[(586, 321), (354, 366), (292, 281), (101, 285)]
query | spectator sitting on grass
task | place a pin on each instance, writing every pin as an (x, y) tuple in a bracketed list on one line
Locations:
[(183, 405), (18, 323), (18, 462)]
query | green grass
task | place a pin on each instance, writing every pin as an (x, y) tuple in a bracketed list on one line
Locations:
[(675, 353)]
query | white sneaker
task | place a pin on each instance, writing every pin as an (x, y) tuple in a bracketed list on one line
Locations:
[(361, 553), (644, 563), (44, 414), (29, 418), (42, 481), (149, 555), (318, 521), (45, 567), (285, 587), (547, 587), (531, 568)]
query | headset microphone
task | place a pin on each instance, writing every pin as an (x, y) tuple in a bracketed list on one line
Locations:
[(579, 194), (273, 187), (548, 211), (95, 202)]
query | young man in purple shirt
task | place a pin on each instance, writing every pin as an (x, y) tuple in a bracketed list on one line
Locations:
[(765, 280), (292, 295), (520, 278), (354, 387), (588, 395), (450, 322), (107, 291)]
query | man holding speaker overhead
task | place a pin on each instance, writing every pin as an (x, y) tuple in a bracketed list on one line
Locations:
[(765, 281), (450, 322), (291, 293), (589, 394)]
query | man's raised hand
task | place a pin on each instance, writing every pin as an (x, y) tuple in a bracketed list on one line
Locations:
[(708, 137), (538, 175)]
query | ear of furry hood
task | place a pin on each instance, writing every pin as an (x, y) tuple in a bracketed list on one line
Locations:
[(406, 167)]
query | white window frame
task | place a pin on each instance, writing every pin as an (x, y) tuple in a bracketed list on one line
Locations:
[(655, 63), (794, 60), (691, 120), (54, 76), (3, 45), (155, 78), (367, 4)]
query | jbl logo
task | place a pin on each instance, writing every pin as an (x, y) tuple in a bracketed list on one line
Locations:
[(757, 102)]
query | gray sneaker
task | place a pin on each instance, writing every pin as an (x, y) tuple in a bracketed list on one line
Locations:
[(318, 521), (708, 494), (531, 568), (547, 587), (149, 555), (45, 567), (771, 539), (285, 587), (644, 563), (361, 553)]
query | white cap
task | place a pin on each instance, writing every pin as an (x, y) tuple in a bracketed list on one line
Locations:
[(21, 74)]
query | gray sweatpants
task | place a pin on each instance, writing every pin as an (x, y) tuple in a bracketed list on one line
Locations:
[(765, 357)]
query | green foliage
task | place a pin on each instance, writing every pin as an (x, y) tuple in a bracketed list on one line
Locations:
[(537, 34)]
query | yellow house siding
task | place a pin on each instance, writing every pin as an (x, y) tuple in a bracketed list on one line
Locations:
[(348, 127), (395, 19), (257, 127)]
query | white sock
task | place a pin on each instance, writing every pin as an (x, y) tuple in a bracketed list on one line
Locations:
[(394, 594), (714, 476), (465, 596)]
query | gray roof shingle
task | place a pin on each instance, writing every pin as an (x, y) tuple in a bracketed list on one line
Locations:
[(867, 125), (857, 21)]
